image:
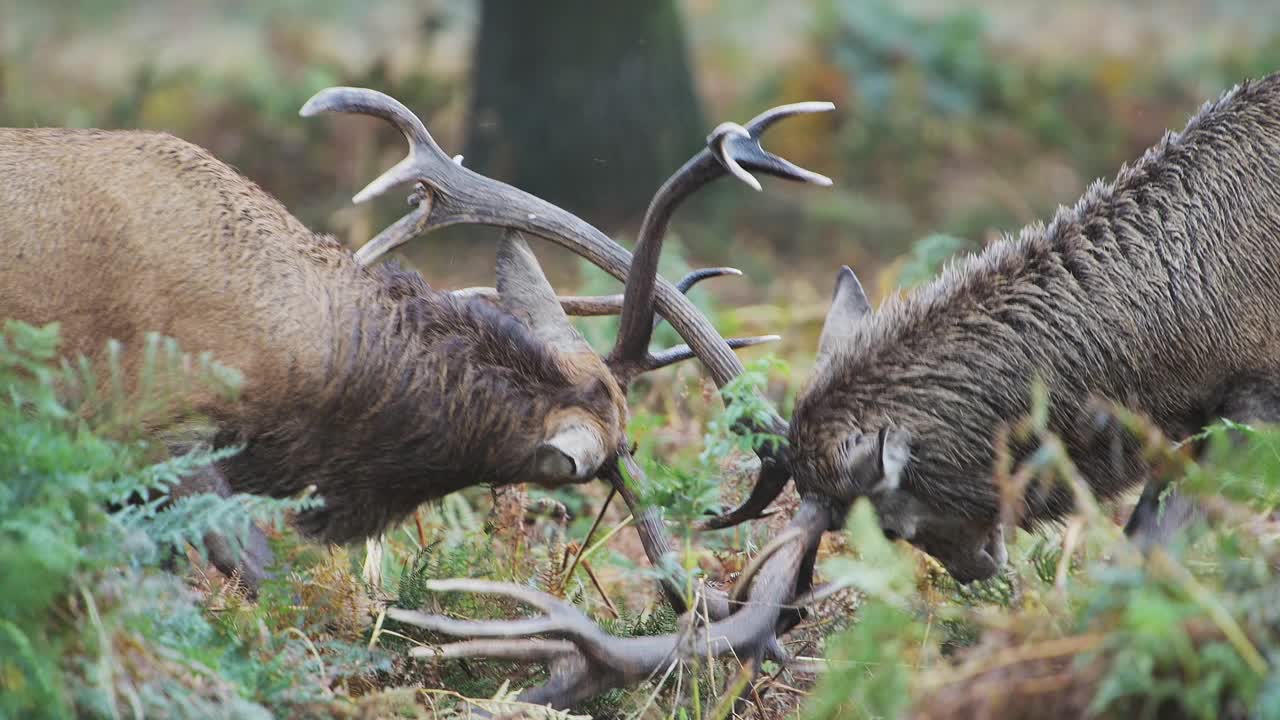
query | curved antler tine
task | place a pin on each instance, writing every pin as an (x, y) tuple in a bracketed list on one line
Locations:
[(402, 172), (399, 232), (602, 305), (770, 482), (680, 353), (473, 628), (687, 282), (762, 122), (528, 596), (693, 277), (527, 650), (718, 140), (363, 101)]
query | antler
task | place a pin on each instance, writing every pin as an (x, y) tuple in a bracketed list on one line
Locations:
[(584, 660), (447, 193), (601, 305), (729, 147), (598, 305)]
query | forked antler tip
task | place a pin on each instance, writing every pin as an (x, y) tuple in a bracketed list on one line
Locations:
[(735, 146)]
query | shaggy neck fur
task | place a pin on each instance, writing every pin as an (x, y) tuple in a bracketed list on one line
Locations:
[(1158, 290), (424, 394)]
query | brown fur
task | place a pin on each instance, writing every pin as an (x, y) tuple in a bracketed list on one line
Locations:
[(365, 382), (1160, 290)]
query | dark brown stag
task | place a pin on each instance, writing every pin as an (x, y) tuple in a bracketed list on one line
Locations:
[(1160, 290), (363, 381)]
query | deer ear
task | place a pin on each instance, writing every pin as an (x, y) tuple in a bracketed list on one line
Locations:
[(573, 454), (848, 305), (524, 292), (895, 452)]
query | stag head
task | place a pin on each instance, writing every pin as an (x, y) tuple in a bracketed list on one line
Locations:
[(580, 443), (847, 453)]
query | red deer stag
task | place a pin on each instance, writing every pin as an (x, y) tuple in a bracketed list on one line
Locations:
[(363, 381)]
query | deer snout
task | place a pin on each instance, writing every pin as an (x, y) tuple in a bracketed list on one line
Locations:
[(977, 566), (573, 454), (967, 554)]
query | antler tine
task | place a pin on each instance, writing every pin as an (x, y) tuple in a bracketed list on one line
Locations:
[(758, 124), (363, 101), (690, 279), (693, 277), (770, 482), (602, 305), (524, 650), (473, 628), (601, 661), (720, 156), (680, 353), (561, 619)]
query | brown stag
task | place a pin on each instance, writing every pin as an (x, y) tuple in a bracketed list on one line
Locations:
[(360, 380)]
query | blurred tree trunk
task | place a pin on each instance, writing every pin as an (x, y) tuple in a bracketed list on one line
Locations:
[(587, 104)]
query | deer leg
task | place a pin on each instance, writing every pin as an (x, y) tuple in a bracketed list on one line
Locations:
[(1251, 399), (1148, 526), (253, 560)]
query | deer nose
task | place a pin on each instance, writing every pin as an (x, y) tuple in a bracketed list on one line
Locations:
[(891, 535)]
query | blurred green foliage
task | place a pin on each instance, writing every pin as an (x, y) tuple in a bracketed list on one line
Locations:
[(944, 122), (89, 624)]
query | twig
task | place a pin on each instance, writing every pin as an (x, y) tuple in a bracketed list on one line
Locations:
[(600, 589), (422, 532), (1069, 541), (564, 579), (314, 652)]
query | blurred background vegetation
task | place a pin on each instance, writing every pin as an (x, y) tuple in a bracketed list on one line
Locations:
[(955, 122), (960, 118)]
